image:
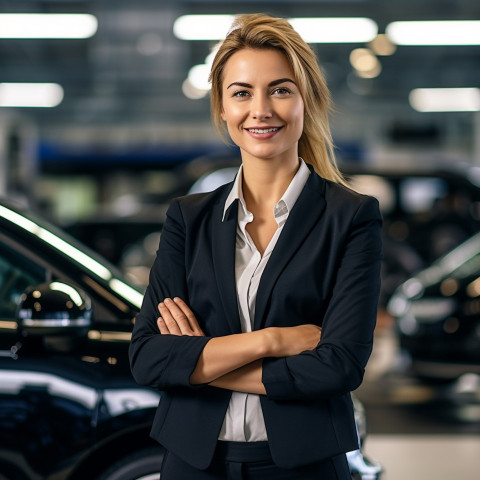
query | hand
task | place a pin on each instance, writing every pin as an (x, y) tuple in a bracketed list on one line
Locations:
[(176, 318), (288, 341)]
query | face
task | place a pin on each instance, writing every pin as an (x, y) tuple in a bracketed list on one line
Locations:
[(262, 105)]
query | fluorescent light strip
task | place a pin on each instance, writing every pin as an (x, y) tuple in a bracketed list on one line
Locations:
[(46, 25), (335, 30), (443, 32), (202, 27), (312, 30), (445, 99), (46, 95)]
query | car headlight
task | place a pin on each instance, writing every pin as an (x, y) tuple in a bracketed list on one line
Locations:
[(424, 311), (431, 310)]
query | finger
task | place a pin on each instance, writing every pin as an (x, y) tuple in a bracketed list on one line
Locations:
[(170, 322), (178, 317), (192, 320), (162, 326)]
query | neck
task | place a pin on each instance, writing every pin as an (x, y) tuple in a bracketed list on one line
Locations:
[(265, 182)]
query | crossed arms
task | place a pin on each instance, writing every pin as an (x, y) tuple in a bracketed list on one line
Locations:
[(234, 362)]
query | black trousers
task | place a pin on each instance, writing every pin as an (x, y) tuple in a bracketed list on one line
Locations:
[(252, 461)]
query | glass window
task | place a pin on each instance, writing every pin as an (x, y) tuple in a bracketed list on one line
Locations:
[(16, 273)]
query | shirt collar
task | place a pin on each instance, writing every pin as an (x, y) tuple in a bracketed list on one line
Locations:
[(284, 205)]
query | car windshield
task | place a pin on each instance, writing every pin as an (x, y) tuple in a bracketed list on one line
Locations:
[(68, 246), (464, 260), (461, 262)]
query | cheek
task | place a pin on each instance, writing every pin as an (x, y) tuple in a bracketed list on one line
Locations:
[(299, 115), (232, 114)]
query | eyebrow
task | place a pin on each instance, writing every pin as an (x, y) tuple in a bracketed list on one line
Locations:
[(274, 83)]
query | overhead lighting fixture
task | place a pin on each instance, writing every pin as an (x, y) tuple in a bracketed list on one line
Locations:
[(196, 85), (47, 25), (192, 92), (198, 76), (365, 63), (335, 30), (45, 95), (381, 45), (445, 99), (202, 27), (312, 30), (438, 32)]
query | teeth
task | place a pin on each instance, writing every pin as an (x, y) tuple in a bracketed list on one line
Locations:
[(262, 130)]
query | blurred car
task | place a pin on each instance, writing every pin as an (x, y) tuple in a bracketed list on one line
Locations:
[(428, 208), (69, 407), (437, 313), (426, 211)]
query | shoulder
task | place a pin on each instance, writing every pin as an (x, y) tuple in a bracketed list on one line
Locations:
[(342, 198), (196, 204)]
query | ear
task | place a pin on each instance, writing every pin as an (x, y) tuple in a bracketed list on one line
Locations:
[(222, 114)]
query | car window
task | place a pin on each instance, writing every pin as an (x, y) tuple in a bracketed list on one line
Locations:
[(16, 274)]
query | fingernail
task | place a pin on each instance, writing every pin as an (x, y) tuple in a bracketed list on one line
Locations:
[(167, 300)]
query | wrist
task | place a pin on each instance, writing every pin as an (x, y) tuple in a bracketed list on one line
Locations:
[(270, 341)]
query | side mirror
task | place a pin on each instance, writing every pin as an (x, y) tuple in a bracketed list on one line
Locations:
[(54, 309)]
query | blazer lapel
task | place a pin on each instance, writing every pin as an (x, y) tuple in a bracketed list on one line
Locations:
[(223, 241), (305, 214)]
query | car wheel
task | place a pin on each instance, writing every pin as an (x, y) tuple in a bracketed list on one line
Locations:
[(142, 465)]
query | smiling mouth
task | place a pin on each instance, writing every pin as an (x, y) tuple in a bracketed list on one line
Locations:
[(263, 130)]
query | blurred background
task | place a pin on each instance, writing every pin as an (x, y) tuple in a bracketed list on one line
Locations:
[(105, 119)]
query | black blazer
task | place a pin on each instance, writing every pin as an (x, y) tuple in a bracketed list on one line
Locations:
[(324, 269)]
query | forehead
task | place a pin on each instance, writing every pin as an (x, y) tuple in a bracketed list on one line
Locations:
[(248, 65)]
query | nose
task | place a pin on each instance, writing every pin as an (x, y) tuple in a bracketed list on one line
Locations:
[(261, 107)]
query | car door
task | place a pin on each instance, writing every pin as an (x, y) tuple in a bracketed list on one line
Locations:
[(47, 401)]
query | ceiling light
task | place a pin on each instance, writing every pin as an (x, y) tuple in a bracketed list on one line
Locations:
[(335, 30), (202, 27), (198, 76), (362, 59), (445, 99), (191, 92), (365, 63), (382, 45), (30, 94), (46, 25), (443, 32), (312, 30)]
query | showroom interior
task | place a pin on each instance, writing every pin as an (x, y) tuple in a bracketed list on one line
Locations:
[(103, 122)]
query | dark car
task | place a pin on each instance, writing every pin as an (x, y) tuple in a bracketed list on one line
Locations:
[(426, 210), (437, 315), (69, 408)]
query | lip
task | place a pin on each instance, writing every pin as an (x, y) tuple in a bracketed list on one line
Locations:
[(262, 132)]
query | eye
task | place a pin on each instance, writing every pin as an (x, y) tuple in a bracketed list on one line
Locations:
[(240, 93), (281, 91)]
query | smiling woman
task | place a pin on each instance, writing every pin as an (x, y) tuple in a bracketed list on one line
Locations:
[(315, 144), (262, 106), (258, 320)]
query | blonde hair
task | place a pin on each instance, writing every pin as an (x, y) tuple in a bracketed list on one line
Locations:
[(260, 31)]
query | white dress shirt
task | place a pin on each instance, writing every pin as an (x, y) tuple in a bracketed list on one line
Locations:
[(244, 418)]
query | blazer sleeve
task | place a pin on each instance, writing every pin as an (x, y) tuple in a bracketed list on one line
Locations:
[(337, 365), (156, 360)]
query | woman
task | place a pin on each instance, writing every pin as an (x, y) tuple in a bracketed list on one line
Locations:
[(267, 288)]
